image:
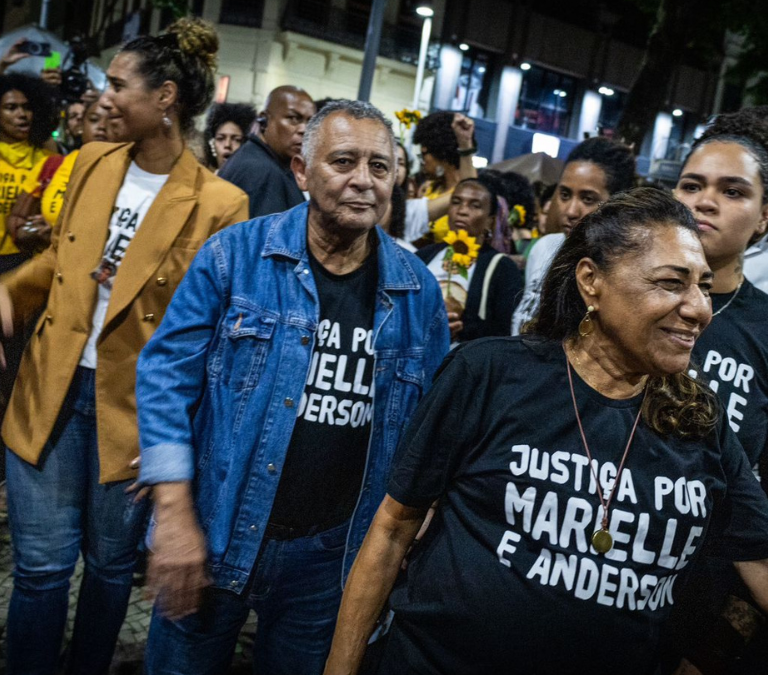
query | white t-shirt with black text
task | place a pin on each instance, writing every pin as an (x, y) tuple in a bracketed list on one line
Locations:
[(136, 196)]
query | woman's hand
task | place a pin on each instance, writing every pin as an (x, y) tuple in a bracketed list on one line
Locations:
[(464, 129), (6, 320), (455, 325), (35, 233), (141, 491), (13, 55)]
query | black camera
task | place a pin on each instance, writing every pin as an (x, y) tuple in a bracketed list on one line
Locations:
[(35, 48), (74, 78)]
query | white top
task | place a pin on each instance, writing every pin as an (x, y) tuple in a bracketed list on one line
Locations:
[(458, 284), (136, 195), (541, 257), (406, 245), (756, 264), (416, 218)]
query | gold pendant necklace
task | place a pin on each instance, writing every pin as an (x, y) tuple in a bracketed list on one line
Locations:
[(602, 540)]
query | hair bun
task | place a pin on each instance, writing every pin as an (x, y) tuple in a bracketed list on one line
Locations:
[(196, 38)]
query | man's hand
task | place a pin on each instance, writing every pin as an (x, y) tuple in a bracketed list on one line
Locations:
[(455, 325), (6, 320), (464, 129), (176, 573), (13, 55)]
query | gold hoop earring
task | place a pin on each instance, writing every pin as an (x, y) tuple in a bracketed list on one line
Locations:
[(587, 326)]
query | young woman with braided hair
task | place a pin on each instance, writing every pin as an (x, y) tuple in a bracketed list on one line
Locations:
[(133, 218)]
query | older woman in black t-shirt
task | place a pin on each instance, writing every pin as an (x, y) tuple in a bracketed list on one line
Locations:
[(578, 471), (724, 182)]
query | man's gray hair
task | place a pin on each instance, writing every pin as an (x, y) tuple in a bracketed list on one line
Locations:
[(359, 110)]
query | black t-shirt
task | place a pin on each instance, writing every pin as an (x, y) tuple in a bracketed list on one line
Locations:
[(324, 467), (732, 357), (505, 580)]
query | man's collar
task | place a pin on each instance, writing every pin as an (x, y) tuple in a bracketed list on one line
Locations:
[(260, 142), (287, 237)]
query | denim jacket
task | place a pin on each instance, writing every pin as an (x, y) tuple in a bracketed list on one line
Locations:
[(218, 385)]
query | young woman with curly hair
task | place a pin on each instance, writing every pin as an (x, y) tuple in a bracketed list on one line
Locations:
[(443, 160), (226, 129)]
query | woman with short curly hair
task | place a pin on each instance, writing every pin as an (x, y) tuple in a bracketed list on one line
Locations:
[(226, 129)]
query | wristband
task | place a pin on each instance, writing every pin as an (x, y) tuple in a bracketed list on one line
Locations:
[(467, 152)]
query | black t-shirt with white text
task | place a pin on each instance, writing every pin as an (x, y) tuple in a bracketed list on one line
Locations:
[(505, 579), (324, 467), (732, 357)]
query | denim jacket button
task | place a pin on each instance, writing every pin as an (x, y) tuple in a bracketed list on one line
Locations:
[(271, 468), (288, 402), (233, 583), (305, 340), (252, 528), (306, 271)]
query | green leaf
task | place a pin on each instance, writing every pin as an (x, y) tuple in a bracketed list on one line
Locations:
[(462, 271)]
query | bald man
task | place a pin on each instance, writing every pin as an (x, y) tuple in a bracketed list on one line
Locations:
[(261, 167)]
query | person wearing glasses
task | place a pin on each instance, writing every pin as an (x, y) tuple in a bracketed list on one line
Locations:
[(261, 168), (442, 158)]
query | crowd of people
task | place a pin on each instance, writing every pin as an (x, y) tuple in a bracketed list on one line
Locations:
[(432, 421)]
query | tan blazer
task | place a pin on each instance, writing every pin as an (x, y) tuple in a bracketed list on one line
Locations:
[(192, 205)]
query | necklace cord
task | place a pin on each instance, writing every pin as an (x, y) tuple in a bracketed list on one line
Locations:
[(730, 300), (606, 504)]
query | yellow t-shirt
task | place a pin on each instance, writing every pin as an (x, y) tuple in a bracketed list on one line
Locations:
[(53, 196), (20, 164)]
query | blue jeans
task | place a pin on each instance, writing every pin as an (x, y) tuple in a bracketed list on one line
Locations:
[(56, 510), (295, 590)]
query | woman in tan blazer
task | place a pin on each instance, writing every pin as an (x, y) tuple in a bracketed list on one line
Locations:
[(133, 218)]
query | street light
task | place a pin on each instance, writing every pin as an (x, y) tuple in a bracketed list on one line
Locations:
[(525, 66), (677, 112), (464, 46), (423, 10)]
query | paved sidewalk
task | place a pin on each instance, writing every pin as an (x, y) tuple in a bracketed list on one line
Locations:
[(133, 635)]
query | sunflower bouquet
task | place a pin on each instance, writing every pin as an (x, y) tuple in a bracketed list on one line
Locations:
[(459, 257), (407, 118)]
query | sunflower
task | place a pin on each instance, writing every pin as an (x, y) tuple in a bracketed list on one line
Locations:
[(464, 248), (408, 117)]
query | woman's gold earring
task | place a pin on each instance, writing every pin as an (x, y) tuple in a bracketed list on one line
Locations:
[(587, 326)]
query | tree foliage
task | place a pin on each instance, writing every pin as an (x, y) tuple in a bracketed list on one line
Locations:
[(693, 32)]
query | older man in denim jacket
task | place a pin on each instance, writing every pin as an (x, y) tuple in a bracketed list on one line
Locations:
[(270, 402)]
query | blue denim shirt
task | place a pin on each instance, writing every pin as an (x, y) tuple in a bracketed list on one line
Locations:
[(219, 383)]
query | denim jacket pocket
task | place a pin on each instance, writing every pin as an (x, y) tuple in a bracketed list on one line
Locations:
[(247, 335)]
